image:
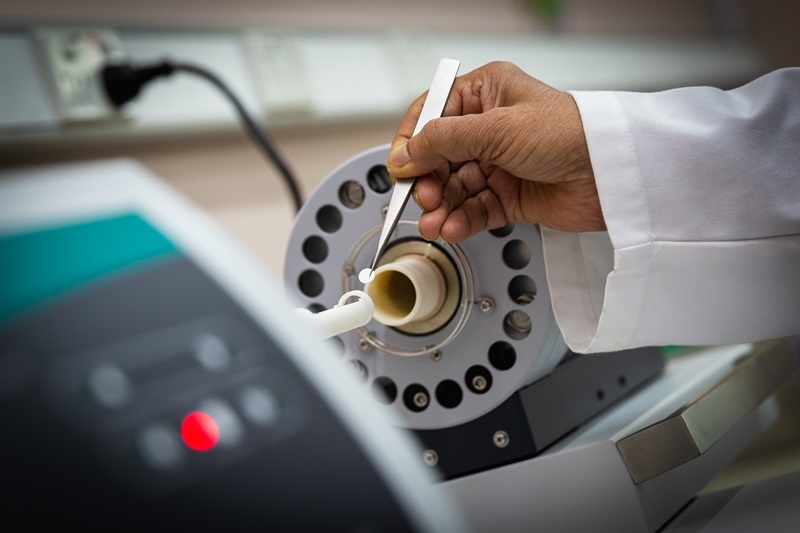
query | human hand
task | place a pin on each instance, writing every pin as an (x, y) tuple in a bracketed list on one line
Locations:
[(508, 148)]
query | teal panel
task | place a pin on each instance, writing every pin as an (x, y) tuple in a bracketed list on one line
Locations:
[(38, 265)]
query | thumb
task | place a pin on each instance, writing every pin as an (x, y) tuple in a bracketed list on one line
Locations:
[(442, 140)]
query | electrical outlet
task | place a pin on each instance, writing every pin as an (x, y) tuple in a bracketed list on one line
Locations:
[(281, 74), (72, 59)]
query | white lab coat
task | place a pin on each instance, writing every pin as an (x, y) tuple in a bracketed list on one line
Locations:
[(700, 189)]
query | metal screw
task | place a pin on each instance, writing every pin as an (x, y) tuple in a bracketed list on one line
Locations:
[(384, 210), (430, 457), (500, 439), (519, 322), (479, 383), (348, 269), (436, 355), (421, 400), (352, 194), (485, 305), (364, 345)]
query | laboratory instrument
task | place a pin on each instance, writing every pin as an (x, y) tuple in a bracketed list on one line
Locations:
[(153, 377), (463, 351)]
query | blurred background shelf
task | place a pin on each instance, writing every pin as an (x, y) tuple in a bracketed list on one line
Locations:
[(293, 78)]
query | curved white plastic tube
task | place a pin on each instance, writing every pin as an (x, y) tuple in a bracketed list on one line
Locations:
[(409, 289), (341, 317)]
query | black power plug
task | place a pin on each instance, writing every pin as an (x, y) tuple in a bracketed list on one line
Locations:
[(123, 83)]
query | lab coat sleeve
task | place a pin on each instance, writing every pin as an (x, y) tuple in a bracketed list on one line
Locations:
[(700, 189)]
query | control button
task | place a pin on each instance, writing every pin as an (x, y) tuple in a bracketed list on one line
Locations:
[(199, 431), (231, 429), (160, 447), (109, 385), (259, 405), (212, 352)]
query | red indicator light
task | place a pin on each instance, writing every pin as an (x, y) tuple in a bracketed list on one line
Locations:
[(199, 431)]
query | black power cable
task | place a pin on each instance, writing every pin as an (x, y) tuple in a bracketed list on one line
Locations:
[(123, 82)]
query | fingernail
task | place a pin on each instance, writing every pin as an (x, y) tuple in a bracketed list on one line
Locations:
[(399, 156), (415, 195)]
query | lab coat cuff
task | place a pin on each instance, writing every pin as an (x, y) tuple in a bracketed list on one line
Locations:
[(583, 270)]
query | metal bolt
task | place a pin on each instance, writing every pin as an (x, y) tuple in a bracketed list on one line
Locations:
[(519, 323), (479, 383), (364, 345), (500, 439), (384, 210), (421, 400), (348, 269), (430, 457), (352, 194), (436, 355), (485, 305)]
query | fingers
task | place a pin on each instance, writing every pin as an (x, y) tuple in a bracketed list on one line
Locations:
[(460, 208), (408, 123), (430, 224), (467, 180), (441, 141), (465, 100), (428, 193), (460, 95), (476, 214)]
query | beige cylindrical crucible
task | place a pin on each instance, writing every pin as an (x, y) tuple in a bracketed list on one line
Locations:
[(409, 289)]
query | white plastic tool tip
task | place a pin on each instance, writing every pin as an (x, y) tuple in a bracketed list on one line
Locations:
[(366, 275)]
